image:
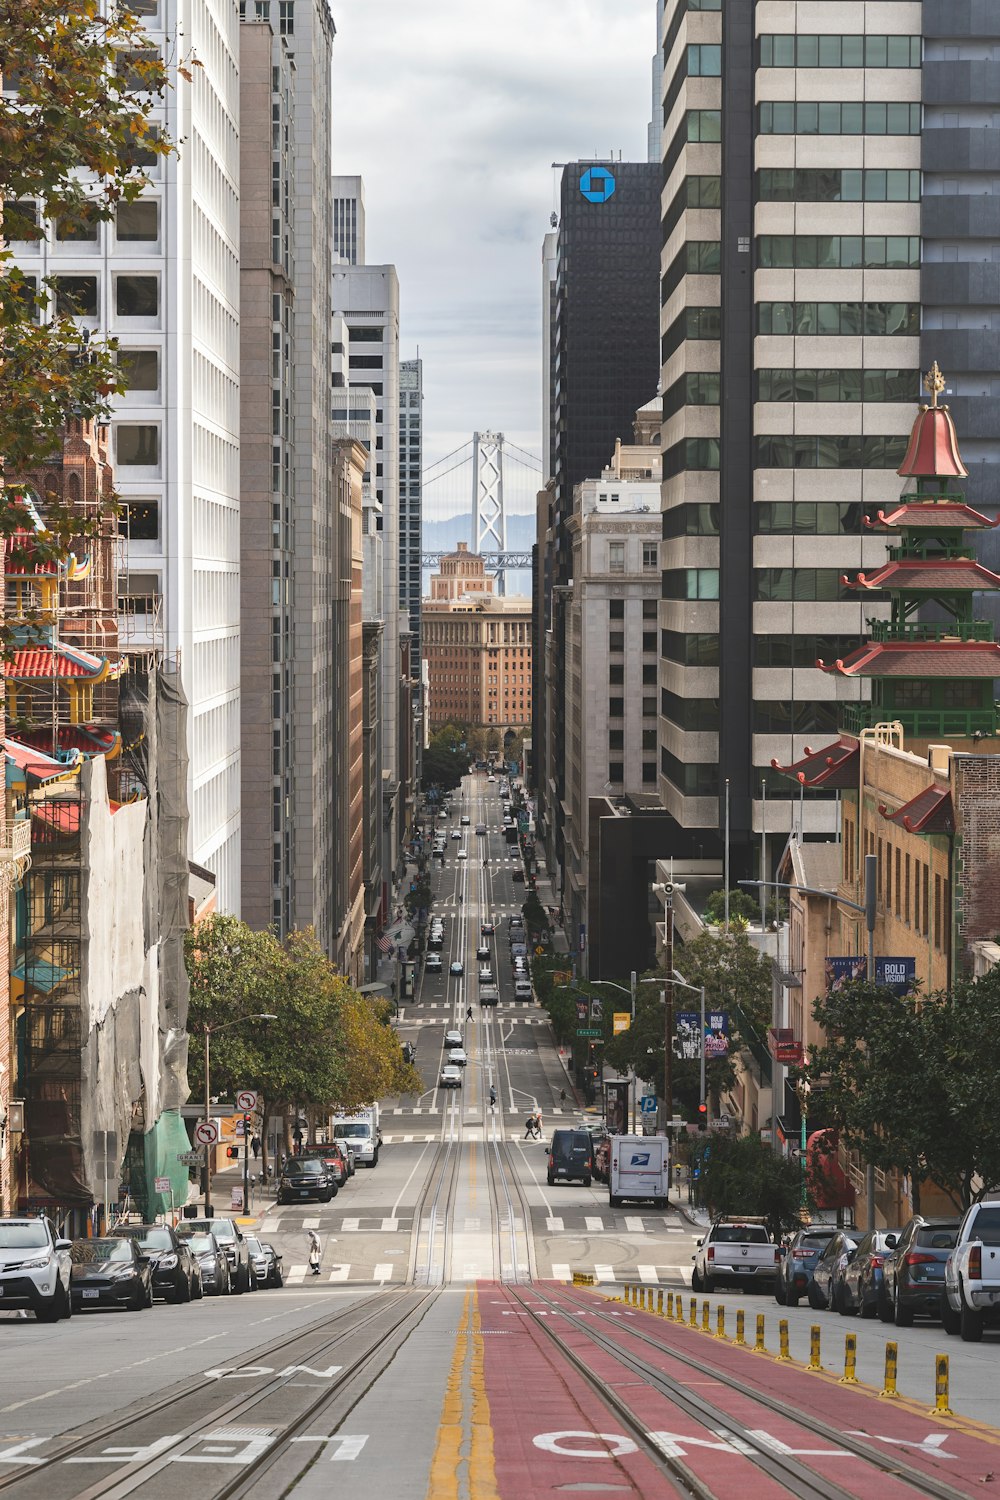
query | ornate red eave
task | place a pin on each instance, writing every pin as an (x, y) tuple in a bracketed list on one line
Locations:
[(834, 767), (958, 659), (931, 811), (927, 575), (932, 513)]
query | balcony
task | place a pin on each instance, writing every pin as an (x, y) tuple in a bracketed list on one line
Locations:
[(931, 630), (923, 723)]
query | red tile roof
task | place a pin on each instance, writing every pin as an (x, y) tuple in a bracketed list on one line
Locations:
[(59, 660), (834, 766), (919, 659), (932, 452), (925, 511), (928, 577), (930, 811)]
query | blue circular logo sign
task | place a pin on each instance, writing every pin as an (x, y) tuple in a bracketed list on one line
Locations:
[(597, 185)]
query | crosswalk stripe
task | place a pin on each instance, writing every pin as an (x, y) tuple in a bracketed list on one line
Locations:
[(594, 1225), (339, 1273), (270, 1226), (554, 1226), (310, 1223), (634, 1226), (383, 1272), (604, 1273), (648, 1273), (295, 1274), (561, 1273)]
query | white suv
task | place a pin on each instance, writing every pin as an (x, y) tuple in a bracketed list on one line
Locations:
[(34, 1268)]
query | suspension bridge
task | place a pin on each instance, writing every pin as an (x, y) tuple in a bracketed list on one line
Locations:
[(499, 481)]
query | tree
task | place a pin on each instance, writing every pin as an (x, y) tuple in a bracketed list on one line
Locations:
[(72, 140), (741, 1175), (442, 768), (911, 1082), (742, 907)]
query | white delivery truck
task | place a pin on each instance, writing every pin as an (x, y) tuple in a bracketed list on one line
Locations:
[(360, 1130), (639, 1170)]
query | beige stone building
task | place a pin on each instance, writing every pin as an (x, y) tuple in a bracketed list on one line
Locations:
[(477, 645), (350, 460)]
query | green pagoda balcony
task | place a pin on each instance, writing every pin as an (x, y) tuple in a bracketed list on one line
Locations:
[(923, 723), (931, 630)]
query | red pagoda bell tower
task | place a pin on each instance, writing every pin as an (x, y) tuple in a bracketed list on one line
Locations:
[(934, 676)]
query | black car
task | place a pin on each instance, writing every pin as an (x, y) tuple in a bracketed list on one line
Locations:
[(109, 1272), (230, 1236), (306, 1177), (275, 1276), (827, 1270), (214, 1262), (799, 1261), (913, 1279), (861, 1286), (571, 1155), (176, 1274)]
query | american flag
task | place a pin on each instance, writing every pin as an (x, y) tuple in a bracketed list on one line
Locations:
[(385, 943)]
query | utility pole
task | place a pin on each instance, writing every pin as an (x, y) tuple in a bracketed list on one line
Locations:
[(246, 1164), (668, 1010), (632, 984)]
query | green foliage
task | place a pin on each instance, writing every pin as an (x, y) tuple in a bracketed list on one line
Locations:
[(741, 1175), (912, 1083), (742, 907), (442, 768), (560, 1002), (536, 919), (419, 897)]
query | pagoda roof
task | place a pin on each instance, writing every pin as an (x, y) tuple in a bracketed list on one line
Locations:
[(41, 768), (834, 766), (927, 576), (84, 739), (931, 513), (930, 811), (919, 659), (34, 663), (932, 452)]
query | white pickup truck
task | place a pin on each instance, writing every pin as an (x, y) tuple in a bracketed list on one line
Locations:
[(972, 1274), (739, 1251)]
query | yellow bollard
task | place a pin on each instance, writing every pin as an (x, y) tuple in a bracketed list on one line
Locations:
[(706, 1314), (941, 1407), (758, 1343), (720, 1322), (628, 1291), (783, 1356), (659, 1304), (889, 1390), (693, 1313), (850, 1375), (741, 1327), (670, 1304), (814, 1359)]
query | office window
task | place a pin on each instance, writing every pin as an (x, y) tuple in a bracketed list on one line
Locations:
[(138, 222), (808, 117), (691, 583), (616, 557), (649, 739), (830, 185), (137, 296), (691, 453), (649, 609), (616, 708), (136, 67), (704, 125), (650, 555), (805, 252), (820, 584), (20, 220), (838, 318), (140, 520), (649, 640), (838, 51), (616, 640), (616, 739), (692, 649), (76, 296), (140, 368), (616, 609), (137, 444), (82, 227), (837, 385), (704, 61), (649, 707), (807, 452), (616, 674), (648, 772), (649, 675)]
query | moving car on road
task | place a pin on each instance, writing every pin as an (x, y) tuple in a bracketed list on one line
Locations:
[(457, 1057), (914, 1276), (109, 1272), (799, 1261), (462, 854), (457, 967), (487, 929), (451, 1077), (484, 953), (35, 1268), (453, 1038), (211, 1257), (176, 1274)]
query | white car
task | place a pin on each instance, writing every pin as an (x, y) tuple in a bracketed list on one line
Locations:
[(491, 778), (457, 1058), (35, 1268), (451, 1078), (454, 1039), (433, 964), (465, 820), (457, 967), (462, 854)]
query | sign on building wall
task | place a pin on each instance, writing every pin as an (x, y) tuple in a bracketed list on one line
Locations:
[(897, 974)]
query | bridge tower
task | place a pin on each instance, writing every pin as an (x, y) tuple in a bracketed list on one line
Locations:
[(489, 520)]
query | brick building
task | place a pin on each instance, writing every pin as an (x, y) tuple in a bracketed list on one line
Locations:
[(477, 645)]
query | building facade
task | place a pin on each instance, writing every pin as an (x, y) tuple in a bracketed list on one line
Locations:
[(348, 951), (411, 400), (477, 646)]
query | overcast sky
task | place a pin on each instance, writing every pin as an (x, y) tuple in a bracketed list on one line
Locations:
[(452, 111)]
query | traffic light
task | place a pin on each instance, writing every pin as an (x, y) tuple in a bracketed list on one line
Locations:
[(703, 1116), (233, 1153)]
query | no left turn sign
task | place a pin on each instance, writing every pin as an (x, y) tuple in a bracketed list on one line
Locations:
[(247, 1101), (206, 1132)]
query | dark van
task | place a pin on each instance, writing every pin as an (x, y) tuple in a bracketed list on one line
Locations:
[(571, 1157)]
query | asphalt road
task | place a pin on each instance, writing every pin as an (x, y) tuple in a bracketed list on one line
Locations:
[(442, 1352)]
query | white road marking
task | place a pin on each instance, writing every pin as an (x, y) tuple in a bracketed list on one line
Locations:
[(605, 1273), (310, 1223), (270, 1226), (382, 1272), (351, 1226), (339, 1273), (554, 1226), (389, 1224), (648, 1273), (561, 1273), (593, 1226), (295, 1274), (635, 1226)]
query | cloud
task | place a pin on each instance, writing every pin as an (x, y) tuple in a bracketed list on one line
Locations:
[(453, 110)]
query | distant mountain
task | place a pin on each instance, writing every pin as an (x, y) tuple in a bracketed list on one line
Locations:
[(445, 535)]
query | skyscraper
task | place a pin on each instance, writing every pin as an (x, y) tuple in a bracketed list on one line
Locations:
[(348, 220), (411, 398)]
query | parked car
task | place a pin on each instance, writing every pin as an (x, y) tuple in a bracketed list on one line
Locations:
[(109, 1271), (275, 1275), (258, 1260), (913, 1279), (861, 1286), (451, 1077), (35, 1268), (799, 1262), (571, 1155), (435, 942), (214, 1262), (305, 1177), (176, 1274), (739, 1251), (230, 1236), (433, 964), (517, 874), (971, 1295), (333, 1156), (839, 1249)]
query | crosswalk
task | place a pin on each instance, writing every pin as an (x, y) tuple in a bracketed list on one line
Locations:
[(609, 1275), (339, 1274), (574, 1226)]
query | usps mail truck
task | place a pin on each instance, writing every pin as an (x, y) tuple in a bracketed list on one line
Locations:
[(639, 1170)]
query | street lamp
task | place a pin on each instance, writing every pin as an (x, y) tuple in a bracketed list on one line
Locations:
[(699, 989), (209, 1033), (634, 982), (803, 1090)]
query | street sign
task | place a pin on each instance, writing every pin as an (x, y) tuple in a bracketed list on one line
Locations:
[(196, 1111), (191, 1158), (722, 1124), (206, 1132), (621, 1021), (236, 1199), (647, 1104), (589, 1031), (162, 1184)]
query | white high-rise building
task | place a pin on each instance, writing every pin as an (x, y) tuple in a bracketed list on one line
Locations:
[(163, 278), (348, 194)]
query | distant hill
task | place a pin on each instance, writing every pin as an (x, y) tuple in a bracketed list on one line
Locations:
[(444, 536)]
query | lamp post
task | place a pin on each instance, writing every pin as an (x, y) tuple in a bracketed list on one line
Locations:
[(698, 989), (633, 984), (209, 1033), (803, 1090)]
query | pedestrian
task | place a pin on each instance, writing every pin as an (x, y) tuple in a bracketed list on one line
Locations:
[(562, 1098), (315, 1252), (255, 1146), (468, 1014), (538, 1124), (529, 1128), (493, 1096)]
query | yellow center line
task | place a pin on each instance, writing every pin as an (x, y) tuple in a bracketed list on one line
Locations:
[(463, 1463)]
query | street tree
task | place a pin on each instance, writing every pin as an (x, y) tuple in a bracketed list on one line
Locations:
[(911, 1082), (742, 1175)]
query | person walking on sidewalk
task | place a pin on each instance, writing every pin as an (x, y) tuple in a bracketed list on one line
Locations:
[(315, 1252)]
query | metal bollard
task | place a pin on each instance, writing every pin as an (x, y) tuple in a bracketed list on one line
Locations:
[(758, 1343), (659, 1304), (941, 1407), (783, 1357), (649, 1299), (693, 1313), (889, 1390), (814, 1336), (720, 1322), (670, 1304), (706, 1314), (741, 1327), (850, 1375)]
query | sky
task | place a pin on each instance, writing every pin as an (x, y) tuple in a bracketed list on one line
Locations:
[(453, 111)]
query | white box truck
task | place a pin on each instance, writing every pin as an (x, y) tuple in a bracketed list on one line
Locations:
[(361, 1131), (639, 1171)]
